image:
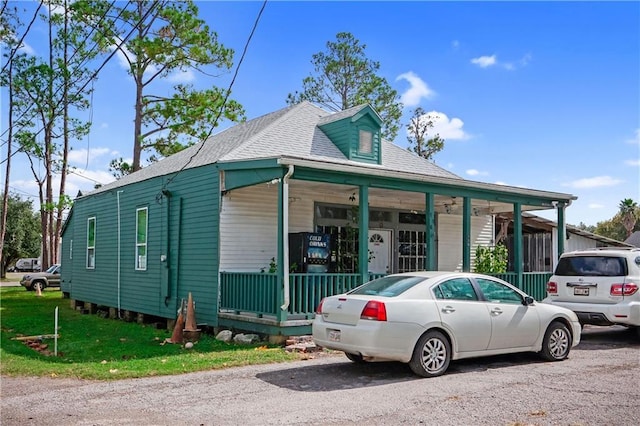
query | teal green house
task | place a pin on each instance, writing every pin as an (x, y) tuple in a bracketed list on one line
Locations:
[(214, 220)]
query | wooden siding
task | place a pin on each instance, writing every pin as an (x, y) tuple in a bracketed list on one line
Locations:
[(66, 255), (368, 124), (340, 134), (182, 246), (578, 242), (450, 239), (248, 228)]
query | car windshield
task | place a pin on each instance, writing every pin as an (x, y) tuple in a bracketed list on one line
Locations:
[(52, 269), (389, 286), (592, 266)]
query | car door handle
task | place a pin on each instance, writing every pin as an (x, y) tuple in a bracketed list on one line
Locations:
[(448, 309), (496, 311)]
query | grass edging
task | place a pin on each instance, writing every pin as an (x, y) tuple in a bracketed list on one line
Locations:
[(92, 347)]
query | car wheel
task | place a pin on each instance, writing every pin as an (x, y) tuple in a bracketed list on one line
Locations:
[(38, 285), (432, 355), (355, 358), (557, 342)]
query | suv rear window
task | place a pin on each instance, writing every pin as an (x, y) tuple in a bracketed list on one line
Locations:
[(591, 266)]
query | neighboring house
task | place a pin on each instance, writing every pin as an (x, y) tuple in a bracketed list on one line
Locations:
[(634, 239), (216, 219), (539, 241)]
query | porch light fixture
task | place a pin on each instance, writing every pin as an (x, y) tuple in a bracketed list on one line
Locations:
[(447, 208)]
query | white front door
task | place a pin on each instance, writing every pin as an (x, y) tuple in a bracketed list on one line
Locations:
[(379, 251)]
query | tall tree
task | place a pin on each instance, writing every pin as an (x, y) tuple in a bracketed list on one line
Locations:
[(628, 212), (22, 238), (615, 227), (344, 77), (418, 135), (44, 91), (156, 39)]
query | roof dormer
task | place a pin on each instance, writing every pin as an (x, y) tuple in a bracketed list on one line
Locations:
[(356, 132)]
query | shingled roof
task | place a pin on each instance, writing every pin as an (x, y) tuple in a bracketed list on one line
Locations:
[(290, 132)]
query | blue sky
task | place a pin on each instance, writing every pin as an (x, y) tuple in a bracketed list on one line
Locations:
[(543, 95)]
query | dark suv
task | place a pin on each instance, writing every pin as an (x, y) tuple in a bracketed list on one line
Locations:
[(601, 285)]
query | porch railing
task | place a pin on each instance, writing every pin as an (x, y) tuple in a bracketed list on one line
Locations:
[(257, 293), (249, 292), (533, 283)]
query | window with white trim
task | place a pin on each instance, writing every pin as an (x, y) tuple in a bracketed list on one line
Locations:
[(91, 243), (142, 221)]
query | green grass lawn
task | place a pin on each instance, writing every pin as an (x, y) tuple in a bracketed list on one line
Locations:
[(92, 347)]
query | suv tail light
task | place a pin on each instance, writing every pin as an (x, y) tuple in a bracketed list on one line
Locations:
[(319, 308), (552, 287), (623, 289), (374, 310)]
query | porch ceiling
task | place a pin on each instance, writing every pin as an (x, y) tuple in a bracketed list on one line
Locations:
[(400, 198)]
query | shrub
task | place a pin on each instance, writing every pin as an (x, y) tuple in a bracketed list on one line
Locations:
[(491, 260)]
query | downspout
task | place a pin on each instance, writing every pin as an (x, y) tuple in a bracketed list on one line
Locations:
[(285, 236), (118, 200)]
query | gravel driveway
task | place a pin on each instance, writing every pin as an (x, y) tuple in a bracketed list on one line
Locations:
[(599, 384)]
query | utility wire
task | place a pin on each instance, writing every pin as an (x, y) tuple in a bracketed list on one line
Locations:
[(95, 74), (224, 102), (24, 35)]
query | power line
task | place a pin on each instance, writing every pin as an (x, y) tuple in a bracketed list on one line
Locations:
[(95, 74), (24, 35), (224, 102)]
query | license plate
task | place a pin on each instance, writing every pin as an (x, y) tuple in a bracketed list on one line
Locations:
[(334, 335), (578, 291)]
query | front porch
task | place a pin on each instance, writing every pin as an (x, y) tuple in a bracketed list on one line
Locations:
[(252, 299)]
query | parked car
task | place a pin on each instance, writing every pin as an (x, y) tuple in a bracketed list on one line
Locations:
[(600, 285), (42, 280), (427, 319)]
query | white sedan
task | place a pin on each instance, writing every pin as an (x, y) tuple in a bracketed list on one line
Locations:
[(429, 318)]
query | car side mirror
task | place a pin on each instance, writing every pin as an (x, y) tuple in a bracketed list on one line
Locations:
[(528, 300)]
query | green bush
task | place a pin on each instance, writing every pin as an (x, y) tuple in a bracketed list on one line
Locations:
[(491, 260)]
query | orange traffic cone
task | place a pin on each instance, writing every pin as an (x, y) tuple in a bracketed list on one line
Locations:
[(176, 336), (38, 290), (191, 316)]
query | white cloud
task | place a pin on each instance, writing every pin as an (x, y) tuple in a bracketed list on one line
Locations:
[(488, 61), (474, 172), (418, 89), (447, 129), (636, 140), (594, 182), (633, 163), (524, 61), (86, 180), (122, 55), (27, 49), (595, 206), (82, 156), (484, 61), (183, 76)]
